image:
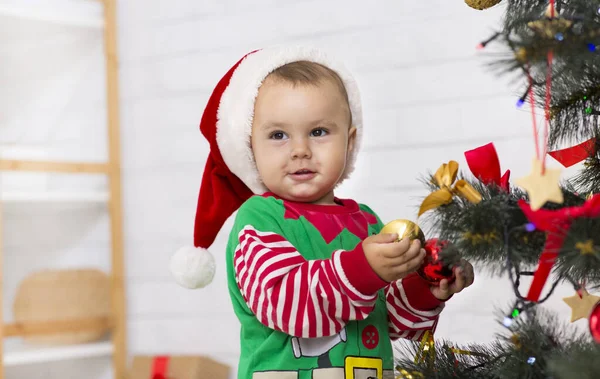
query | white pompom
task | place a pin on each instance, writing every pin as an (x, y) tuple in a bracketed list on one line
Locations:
[(192, 267)]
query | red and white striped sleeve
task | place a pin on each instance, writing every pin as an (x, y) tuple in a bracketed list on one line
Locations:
[(302, 298), (412, 308)]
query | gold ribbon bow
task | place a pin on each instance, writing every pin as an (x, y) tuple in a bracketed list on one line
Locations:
[(444, 178), (426, 348), (425, 351), (409, 375)]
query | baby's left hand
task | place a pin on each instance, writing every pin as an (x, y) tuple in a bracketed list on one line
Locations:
[(464, 278)]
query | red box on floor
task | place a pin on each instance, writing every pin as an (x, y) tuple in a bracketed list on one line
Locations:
[(177, 367)]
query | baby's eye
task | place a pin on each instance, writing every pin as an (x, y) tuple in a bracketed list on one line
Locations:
[(277, 135), (320, 132)]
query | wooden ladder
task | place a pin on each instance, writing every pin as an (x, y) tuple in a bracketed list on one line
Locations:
[(111, 169)]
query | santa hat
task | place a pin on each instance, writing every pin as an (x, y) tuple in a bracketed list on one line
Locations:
[(230, 175)]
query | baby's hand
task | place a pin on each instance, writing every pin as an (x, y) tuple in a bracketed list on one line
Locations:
[(392, 260), (464, 278)]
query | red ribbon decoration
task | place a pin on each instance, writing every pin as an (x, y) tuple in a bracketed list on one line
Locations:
[(556, 225), (575, 154), (485, 165), (159, 367)]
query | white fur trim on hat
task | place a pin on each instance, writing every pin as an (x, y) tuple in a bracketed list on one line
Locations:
[(192, 267), (236, 109)]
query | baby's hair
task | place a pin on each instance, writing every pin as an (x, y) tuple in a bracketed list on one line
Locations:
[(306, 72)]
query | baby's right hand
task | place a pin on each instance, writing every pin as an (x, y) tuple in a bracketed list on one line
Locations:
[(393, 260)]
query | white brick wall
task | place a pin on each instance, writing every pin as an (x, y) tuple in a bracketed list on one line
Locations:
[(427, 98)]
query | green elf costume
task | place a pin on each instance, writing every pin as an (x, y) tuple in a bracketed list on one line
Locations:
[(309, 304)]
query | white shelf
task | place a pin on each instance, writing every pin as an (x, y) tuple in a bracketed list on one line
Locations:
[(56, 196), (23, 355), (58, 12)]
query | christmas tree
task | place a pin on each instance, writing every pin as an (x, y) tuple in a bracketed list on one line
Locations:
[(537, 226)]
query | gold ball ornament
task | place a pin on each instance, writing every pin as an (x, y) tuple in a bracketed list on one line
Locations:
[(482, 4), (404, 228), (433, 269)]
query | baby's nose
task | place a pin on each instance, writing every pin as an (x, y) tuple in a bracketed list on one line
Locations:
[(301, 149)]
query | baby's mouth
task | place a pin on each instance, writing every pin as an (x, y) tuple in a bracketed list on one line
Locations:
[(303, 175), (303, 172)]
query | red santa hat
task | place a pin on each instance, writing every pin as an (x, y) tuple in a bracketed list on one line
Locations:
[(230, 175)]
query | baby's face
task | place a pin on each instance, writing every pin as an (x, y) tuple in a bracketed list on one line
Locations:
[(301, 139)]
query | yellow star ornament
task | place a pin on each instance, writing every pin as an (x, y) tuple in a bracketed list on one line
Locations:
[(586, 247), (581, 307), (541, 188)]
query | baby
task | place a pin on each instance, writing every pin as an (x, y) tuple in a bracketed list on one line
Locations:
[(319, 292)]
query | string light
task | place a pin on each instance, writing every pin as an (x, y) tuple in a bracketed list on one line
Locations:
[(484, 43), (521, 100), (508, 320)]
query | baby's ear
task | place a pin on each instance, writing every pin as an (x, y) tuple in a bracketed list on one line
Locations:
[(351, 138)]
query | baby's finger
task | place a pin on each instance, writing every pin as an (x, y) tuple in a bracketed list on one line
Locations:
[(414, 259), (409, 255), (469, 275), (408, 248), (394, 250), (444, 286), (410, 266), (384, 238), (415, 247), (459, 283)]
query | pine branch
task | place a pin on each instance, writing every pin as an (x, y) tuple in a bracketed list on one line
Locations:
[(448, 362), (582, 362), (531, 341), (479, 231), (575, 109), (573, 38), (538, 345), (579, 257), (587, 180)]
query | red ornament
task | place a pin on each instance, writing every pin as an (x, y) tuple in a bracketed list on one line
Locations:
[(594, 322), (433, 269)]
